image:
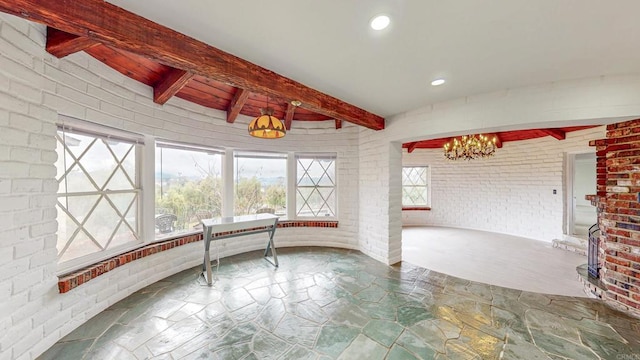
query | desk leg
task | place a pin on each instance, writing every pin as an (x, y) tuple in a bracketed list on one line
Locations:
[(270, 245), (206, 266)]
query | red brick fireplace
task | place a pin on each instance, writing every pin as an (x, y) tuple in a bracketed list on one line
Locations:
[(618, 204)]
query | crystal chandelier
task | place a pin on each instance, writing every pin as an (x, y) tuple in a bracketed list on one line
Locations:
[(470, 147)]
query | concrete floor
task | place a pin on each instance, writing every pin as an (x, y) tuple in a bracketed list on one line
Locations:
[(324, 304), (496, 259)]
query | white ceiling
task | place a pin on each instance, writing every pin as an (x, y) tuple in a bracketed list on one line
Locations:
[(477, 45)]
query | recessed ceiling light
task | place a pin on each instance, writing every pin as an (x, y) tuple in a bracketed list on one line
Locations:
[(437, 82), (380, 22)]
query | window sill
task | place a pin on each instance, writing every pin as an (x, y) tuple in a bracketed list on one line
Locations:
[(76, 278), (416, 208)]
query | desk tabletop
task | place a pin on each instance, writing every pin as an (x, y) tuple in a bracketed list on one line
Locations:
[(243, 220)]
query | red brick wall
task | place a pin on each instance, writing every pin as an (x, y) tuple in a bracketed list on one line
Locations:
[(618, 188)]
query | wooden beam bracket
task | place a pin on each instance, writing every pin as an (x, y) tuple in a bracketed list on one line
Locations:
[(556, 133), (288, 116), (170, 85), (61, 44), (236, 104)]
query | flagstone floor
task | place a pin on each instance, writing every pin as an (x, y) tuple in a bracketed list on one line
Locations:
[(338, 304)]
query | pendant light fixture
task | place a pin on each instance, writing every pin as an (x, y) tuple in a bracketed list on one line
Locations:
[(267, 126)]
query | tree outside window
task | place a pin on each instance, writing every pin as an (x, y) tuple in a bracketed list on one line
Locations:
[(260, 183), (188, 187)]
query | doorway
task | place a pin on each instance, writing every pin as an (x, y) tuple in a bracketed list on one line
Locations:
[(581, 182)]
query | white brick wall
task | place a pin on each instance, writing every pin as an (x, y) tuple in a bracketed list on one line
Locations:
[(380, 198), (511, 192), (34, 88)]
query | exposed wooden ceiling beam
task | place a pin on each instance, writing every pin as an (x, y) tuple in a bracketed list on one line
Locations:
[(338, 124), (236, 104), (556, 133), (288, 116), (498, 140), (412, 146), (111, 25), (170, 85), (61, 44)]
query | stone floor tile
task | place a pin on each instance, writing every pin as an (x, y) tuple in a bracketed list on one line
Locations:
[(321, 295), (96, 326), (299, 353), (247, 313), (409, 315), (552, 324), (325, 280), (212, 312), (271, 315), (431, 334), (139, 332), (205, 296), (261, 295), (333, 339), (235, 351), (296, 330), (330, 303), (67, 350), (399, 353), (379, 310), (110, 352), (517, 347), (346, 313), (457, 349), (607, 347), (383, 331), (416, 345), (176, 335), (371, 294), (559, 346), (235, 299), (478, 342), (534, 300), (266, 346), (197, 347), (363, 348), (189, 309)]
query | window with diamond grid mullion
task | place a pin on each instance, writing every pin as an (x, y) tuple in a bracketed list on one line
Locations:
[(98, 194), (415, 186), (315, 186)]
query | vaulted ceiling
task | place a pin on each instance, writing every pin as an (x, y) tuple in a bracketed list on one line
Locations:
[(177, 65)]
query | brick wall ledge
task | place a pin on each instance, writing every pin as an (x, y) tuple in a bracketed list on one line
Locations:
[(593, 199), (76, 278), (416, 208)]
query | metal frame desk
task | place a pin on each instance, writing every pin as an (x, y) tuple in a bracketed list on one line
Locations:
[(235, 226)]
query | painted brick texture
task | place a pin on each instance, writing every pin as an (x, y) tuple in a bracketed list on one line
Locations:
[(35, 88), (380, 229), (511, 192)]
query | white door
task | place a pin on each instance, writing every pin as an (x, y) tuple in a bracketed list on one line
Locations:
[(584, 183)]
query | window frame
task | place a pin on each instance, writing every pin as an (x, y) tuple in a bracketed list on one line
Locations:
[(70, 125), (427, 206), (319, 155), (145, 184), (176, 145), (259, 154)]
